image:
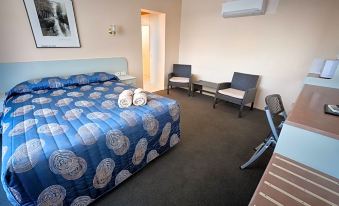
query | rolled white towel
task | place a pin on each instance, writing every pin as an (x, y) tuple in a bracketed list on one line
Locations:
[(125, 100), (127, 92), (139, 90), (140, 99)]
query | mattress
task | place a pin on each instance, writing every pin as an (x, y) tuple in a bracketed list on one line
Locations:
[(65, 141)]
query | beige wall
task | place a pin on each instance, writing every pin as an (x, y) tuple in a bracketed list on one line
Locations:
[(93, 19), (279, 46)]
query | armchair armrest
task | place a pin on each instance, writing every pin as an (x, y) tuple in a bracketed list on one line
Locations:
[(223, 85), (250, 95), (170, 75)]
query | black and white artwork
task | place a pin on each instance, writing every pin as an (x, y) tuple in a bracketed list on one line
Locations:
[(53, 23)]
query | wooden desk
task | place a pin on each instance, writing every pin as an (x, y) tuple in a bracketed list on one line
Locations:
[(308, 112), (304, 168), (287, 182)]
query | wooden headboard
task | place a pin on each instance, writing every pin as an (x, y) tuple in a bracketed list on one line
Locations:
[(12, 74)]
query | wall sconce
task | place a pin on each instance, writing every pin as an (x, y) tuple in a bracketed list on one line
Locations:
[(113, 30)]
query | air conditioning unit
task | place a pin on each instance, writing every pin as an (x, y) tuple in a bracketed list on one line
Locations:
[(238, 8)]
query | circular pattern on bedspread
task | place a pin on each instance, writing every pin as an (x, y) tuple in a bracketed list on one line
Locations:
[(117, 141), (22, 110), (23, 127), (71, 87), (67, 164), (99, 115), (62, 161), (108, 104), (111, 96), (72, 114), (174, 140), (156, 105), (101, 89), (152, 155), (103, 173), (55, 83), (140, 150), (41, 91), (78, 171), (84, 104), (150, 124), (22, 98), (82, 201), (88, 133), (82, 79), (122, 176), (165, 134), (75, 94), (64, 102), (45, 112), (120, 84), (26, 156), (52, 195), (58, 92), (107, 83), (174, 111), (95, 95), (118, 89), (41, 100), (85, 88), (130, 117), (52, 129)]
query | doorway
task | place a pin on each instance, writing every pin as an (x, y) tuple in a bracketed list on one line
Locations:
[(153, 49)]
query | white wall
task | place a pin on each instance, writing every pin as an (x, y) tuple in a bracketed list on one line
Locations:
[(279, 46), (93, 19)]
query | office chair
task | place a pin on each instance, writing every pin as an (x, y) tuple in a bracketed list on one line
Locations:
[(274, 107)]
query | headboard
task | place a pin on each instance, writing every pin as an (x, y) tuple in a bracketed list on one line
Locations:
[(12, 74)]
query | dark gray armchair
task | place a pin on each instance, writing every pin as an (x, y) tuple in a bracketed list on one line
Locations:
[(180, 77), (241, 90)]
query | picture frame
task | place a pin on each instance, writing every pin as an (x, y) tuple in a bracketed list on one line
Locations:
[(53, 23)]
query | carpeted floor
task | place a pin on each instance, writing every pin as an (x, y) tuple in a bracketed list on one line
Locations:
[(203, 169)]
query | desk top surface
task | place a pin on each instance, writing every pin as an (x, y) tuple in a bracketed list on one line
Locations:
[(308, 112), (287, 182)]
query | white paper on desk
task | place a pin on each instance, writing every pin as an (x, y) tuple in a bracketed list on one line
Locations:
[(317, 66)]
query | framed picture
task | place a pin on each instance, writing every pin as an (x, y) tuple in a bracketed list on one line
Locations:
[(53, 23)]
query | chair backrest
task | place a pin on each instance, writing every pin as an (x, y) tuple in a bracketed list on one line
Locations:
[(182, 70), (275, 104), (275, 107), (243, 81)]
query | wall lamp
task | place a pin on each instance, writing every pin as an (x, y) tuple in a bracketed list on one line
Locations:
[(113, 30)]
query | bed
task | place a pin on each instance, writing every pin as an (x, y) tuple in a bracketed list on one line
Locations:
[(66, 142)]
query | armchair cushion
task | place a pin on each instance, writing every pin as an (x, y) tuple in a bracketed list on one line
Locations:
[(179, 79), (239, 94)]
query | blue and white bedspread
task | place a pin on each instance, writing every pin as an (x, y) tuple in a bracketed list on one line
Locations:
[(66, 142)]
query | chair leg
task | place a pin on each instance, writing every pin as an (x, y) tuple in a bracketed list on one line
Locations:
[(215, 102), (240, 111), (258, 153), (168, 87), (252, 105), (189, 90)]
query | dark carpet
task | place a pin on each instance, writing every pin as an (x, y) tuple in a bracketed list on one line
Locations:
[(203, 169)]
